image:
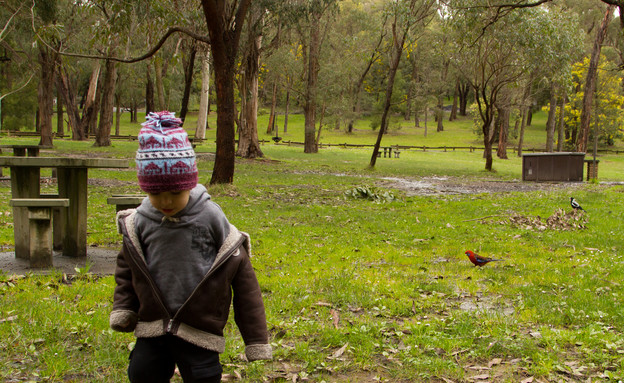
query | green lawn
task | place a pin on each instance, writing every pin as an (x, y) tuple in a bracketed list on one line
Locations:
[(366, 290)]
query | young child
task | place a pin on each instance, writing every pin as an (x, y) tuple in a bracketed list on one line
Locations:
[(180, 264)]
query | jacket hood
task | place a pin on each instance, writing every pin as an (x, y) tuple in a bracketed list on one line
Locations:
[(198, 197)]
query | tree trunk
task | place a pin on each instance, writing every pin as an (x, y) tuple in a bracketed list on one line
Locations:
[(453, 114), (426, 117), (407, 116), (271, 124), (91, 108), (309, 108), (440, 113), (224, 30), (358, 86), (60, 126), (488, 149), (590, 82), (524, 111), (551, 121), (504, 114), (149, 90), (189, 66), (318, 133), (160, 87), (561, 129), (102, 136), (397, 51), (91, 128), (248, 144), (286, 111), (464, 92), (202, 116), (117, 113), (47, 61), (68, 96)]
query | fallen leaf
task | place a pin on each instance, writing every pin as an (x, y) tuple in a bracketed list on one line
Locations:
[(495, 362), (527, 380), (338, 353), (479, 368), (9, 319), (480, 377), (536, 334)]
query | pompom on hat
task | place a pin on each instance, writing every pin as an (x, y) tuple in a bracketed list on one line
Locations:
[(165, 159)]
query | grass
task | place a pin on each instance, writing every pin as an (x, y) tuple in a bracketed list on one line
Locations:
[(359, 290)]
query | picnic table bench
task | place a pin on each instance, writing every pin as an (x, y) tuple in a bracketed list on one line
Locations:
[(125, 201), (387, 151), (40, 227)]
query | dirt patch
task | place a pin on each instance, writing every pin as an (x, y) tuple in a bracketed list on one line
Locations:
[(451, 185), (99, 261)]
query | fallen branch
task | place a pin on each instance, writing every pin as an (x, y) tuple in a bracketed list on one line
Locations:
[(478, 219)]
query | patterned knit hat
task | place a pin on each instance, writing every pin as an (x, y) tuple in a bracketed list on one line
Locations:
[(165, 159)]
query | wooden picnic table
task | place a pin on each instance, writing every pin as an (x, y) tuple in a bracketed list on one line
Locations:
[(72, 176)]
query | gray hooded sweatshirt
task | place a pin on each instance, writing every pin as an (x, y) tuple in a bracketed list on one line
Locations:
[(179, 250)]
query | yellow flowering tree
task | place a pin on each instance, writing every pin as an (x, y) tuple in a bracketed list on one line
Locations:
[(608, 103)]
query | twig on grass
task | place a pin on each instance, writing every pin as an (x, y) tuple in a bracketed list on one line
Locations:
[(478, 219)]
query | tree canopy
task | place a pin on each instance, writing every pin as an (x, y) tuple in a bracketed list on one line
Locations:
[(333, 61)]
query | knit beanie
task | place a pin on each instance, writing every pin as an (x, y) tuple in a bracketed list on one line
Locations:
[(165, 159)]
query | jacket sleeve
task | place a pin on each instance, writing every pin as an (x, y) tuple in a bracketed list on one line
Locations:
[(124, 316), (249, 311)]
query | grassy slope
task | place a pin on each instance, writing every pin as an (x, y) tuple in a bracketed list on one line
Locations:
[(361, 291)]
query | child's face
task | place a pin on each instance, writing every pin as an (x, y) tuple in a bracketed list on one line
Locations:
[(169, 203)]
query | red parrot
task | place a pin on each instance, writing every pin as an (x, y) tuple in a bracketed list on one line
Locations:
[(478, 260)]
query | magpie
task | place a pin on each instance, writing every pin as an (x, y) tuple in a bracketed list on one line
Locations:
[(575, 205)]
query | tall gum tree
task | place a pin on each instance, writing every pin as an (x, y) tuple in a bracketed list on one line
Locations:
[(225, 21), (405, 17), (496, 55)]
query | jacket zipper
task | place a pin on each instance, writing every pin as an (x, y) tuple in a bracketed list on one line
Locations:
[(143, 267), (214, 268), (170, 326)]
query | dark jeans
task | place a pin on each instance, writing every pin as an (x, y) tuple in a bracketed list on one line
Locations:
[(153, 360)]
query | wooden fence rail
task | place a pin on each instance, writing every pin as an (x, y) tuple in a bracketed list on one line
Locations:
[(345, 145)]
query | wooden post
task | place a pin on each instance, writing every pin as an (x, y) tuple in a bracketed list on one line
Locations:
[(72, 183), (40, 236), (24, 184)]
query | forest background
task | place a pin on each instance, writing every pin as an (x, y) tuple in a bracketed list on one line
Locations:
[(336, 62)]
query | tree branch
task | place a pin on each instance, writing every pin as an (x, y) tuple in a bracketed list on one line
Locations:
[(18, 89), (147, 55)]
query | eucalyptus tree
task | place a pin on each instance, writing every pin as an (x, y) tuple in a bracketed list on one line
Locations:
[(17, 69), (310, 21), (262, 37), (46, 15), (358, 36), (495, 58), (406, 17), (225, 20), (591, 79)]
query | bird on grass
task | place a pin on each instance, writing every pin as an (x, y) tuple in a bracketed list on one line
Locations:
[(575, 205), (478, 260)]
